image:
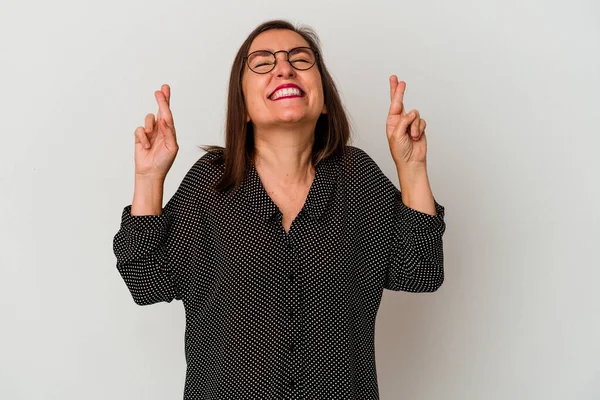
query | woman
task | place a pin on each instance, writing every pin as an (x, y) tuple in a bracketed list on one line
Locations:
[(280, 244)]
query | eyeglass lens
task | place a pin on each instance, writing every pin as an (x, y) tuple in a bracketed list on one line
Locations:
[(264, 61)]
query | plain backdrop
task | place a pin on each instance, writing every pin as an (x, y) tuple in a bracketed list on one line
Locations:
[(510, 91)]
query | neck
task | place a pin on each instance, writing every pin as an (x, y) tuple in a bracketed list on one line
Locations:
[(285, 154)]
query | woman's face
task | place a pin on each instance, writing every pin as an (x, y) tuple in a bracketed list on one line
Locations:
[(269, 107)]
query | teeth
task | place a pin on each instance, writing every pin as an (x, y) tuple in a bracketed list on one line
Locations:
[(286, 92)]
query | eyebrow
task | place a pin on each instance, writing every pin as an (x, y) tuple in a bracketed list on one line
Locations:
[(273, 51)]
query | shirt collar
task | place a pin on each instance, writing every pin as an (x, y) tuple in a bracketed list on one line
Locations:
[(319, 195)]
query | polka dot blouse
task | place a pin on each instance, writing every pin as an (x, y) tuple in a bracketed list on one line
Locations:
[(276, 315)]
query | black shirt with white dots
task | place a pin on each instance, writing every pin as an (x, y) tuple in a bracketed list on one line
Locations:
[(276, 315)]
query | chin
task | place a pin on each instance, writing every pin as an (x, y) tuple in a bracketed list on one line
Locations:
[(297, 116), (291, 117), (291, 120), (288, 118)]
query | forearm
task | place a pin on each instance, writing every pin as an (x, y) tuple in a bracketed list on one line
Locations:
[(147, 196), (415, 188)]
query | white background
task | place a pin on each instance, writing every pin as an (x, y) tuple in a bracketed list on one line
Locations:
[(510, 93)]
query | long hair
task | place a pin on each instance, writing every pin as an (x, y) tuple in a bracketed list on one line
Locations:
[(332, 131)]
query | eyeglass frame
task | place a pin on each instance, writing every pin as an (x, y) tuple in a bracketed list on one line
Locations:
[(287, 58)]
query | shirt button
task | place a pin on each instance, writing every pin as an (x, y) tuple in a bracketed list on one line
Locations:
[(292, 277), (291, 313), (292, 383), (292, 347)]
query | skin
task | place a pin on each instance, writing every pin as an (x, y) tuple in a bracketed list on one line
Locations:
[(283, 137), (283, 129), (408, 146)]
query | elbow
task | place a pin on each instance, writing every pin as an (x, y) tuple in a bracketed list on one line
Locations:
[(437, 283), (429, 284), (142, 300), (145, 298), (145, 285), (141, 296), (420, 284), (434, 281)]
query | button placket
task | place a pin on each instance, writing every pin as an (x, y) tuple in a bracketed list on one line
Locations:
[(292, 280)]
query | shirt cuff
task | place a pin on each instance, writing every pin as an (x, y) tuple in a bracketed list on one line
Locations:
[(144, 223), (419, 220)]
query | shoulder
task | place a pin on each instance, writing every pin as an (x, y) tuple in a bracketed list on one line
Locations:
[(213, 157), (357, 161), (206, 171), (363, 174)]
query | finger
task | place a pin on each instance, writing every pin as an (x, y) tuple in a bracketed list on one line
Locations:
[(403, 127), (149, 123), (166, 89), (414, 126), (141, 137), (393, 85), (397, 105), (164, 112), (422, 126), (165, 120)]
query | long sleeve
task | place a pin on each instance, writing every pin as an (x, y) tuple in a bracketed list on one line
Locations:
[(411, 241), (142, 257), (417, 257), (275, 314), (153, 252)]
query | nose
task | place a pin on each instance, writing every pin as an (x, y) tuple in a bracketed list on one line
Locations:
[(283, 68)]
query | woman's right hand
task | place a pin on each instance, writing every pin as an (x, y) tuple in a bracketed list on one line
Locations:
[(156, 143)]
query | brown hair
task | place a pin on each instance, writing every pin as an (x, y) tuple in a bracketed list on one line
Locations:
[(332, 131)]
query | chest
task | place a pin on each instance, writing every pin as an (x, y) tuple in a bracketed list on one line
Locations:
[(289, 200)]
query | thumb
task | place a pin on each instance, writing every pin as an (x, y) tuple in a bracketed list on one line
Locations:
[(402, 127)]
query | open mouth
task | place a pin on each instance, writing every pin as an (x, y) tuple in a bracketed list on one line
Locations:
[(287, 93)]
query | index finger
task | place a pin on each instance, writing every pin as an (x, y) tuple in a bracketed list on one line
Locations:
[(163, 106), (397, 105), (166, 89), (393, 86)]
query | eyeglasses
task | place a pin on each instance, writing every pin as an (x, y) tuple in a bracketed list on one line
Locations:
[(264, 61)]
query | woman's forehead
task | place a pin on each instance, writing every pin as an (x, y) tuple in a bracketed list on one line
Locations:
[(277, 39)]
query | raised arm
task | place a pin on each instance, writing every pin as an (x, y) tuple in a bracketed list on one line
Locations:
[(417, 257), (145, 259)]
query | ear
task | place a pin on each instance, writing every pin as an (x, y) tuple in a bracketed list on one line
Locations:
[(324, 111), (247, 117)]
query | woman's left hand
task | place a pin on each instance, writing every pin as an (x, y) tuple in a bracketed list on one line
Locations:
[(405, 131)]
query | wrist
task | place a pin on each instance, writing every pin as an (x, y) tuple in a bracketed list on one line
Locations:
[(147, 196), (415, 188), (414, 174), (150, 179)]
